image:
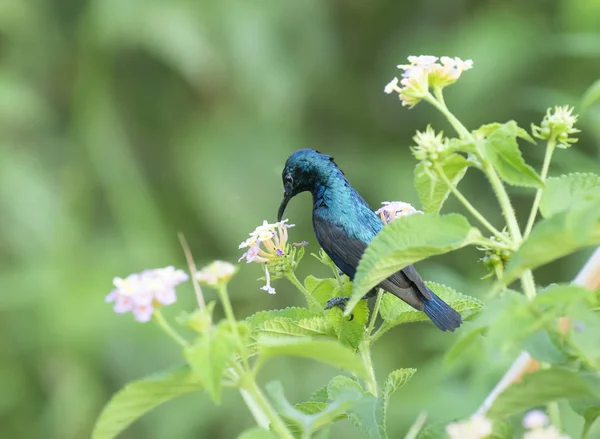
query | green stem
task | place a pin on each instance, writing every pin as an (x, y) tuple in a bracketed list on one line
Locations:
[(365, 354), (224, 296), (538, 195), (441, 107), (467, 204), (528, 284), (380, 293), (505, 204), (164, 325), (527, 281), (291, 276), (554, 414), (262, 405)]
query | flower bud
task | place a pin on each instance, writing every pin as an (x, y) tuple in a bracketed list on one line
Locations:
[(559, 125)]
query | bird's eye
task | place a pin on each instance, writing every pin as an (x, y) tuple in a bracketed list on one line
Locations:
[(289, 179)]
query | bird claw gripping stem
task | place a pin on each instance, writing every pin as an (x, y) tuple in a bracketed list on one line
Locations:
[(340, 302)]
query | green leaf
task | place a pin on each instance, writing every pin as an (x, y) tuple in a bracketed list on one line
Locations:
[(281, 326), (559, 294), (406, 241), (339, 384), (567, 192), (470, 334), (320, 395), (433, 192), (584, 333), (395, 380), (539, 388), (500, 147), (293, 313), (368, 414), (541, 347), (590, 96), (395, 311), (321, 289), (349, 332), (326, 351), (139, 397), (300, 420), (555, 237), (257, 433), (210, 356)]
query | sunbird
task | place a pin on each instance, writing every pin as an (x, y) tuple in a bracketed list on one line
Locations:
[(344, 225)]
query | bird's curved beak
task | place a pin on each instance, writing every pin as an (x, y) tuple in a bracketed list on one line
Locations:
[(287, 196)]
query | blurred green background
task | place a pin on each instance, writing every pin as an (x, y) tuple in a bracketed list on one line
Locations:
[(126, 121)]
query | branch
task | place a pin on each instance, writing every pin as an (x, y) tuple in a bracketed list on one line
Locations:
[(588, 277)]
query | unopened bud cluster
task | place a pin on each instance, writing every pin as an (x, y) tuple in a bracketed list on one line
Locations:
[(559, 125), (495, 256), (431, 147)]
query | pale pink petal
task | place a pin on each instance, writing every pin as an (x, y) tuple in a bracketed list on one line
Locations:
[(166, 296), (112, 296), (143, 313), (123, 304)]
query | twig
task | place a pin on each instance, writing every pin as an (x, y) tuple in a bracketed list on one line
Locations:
[(193, 270), (588, 277)]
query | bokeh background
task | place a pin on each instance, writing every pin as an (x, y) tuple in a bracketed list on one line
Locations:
[(123, 122)]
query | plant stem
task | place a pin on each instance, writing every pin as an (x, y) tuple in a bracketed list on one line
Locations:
[(291, 276), (505, 204), (441, 106), (467, 204), (164, 325), (528, 284), (193, 271), (527, 281), (224, 296), (263, 406), (380, 293), (365, 354), (538, 195), (554, 413)]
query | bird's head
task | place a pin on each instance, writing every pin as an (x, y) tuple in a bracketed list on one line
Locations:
[(303, 169)]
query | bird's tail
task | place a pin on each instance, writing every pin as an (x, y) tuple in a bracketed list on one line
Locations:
[(441, 314)]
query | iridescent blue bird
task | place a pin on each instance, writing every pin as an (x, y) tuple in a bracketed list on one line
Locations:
[(344, 225)]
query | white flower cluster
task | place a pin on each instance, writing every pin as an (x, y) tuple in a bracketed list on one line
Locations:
[(538, 426), (425, 72), (216, 273), (476, 427), (274, 241)]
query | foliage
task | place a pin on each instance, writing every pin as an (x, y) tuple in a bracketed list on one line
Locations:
[(120, 121)]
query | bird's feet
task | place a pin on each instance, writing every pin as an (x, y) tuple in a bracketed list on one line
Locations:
[(339, 302)]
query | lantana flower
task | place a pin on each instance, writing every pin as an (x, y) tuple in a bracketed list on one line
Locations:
[(477, 427), (216, 273), (423, 73), (558, 124), (392, 210), (538, 425), (268, 244), (141, 293)]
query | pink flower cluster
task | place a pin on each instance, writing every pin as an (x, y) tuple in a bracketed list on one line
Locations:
[(142, 292), (392, 210)]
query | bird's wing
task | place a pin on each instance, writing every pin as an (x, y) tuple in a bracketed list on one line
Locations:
[(409, 278), (344, 250)]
